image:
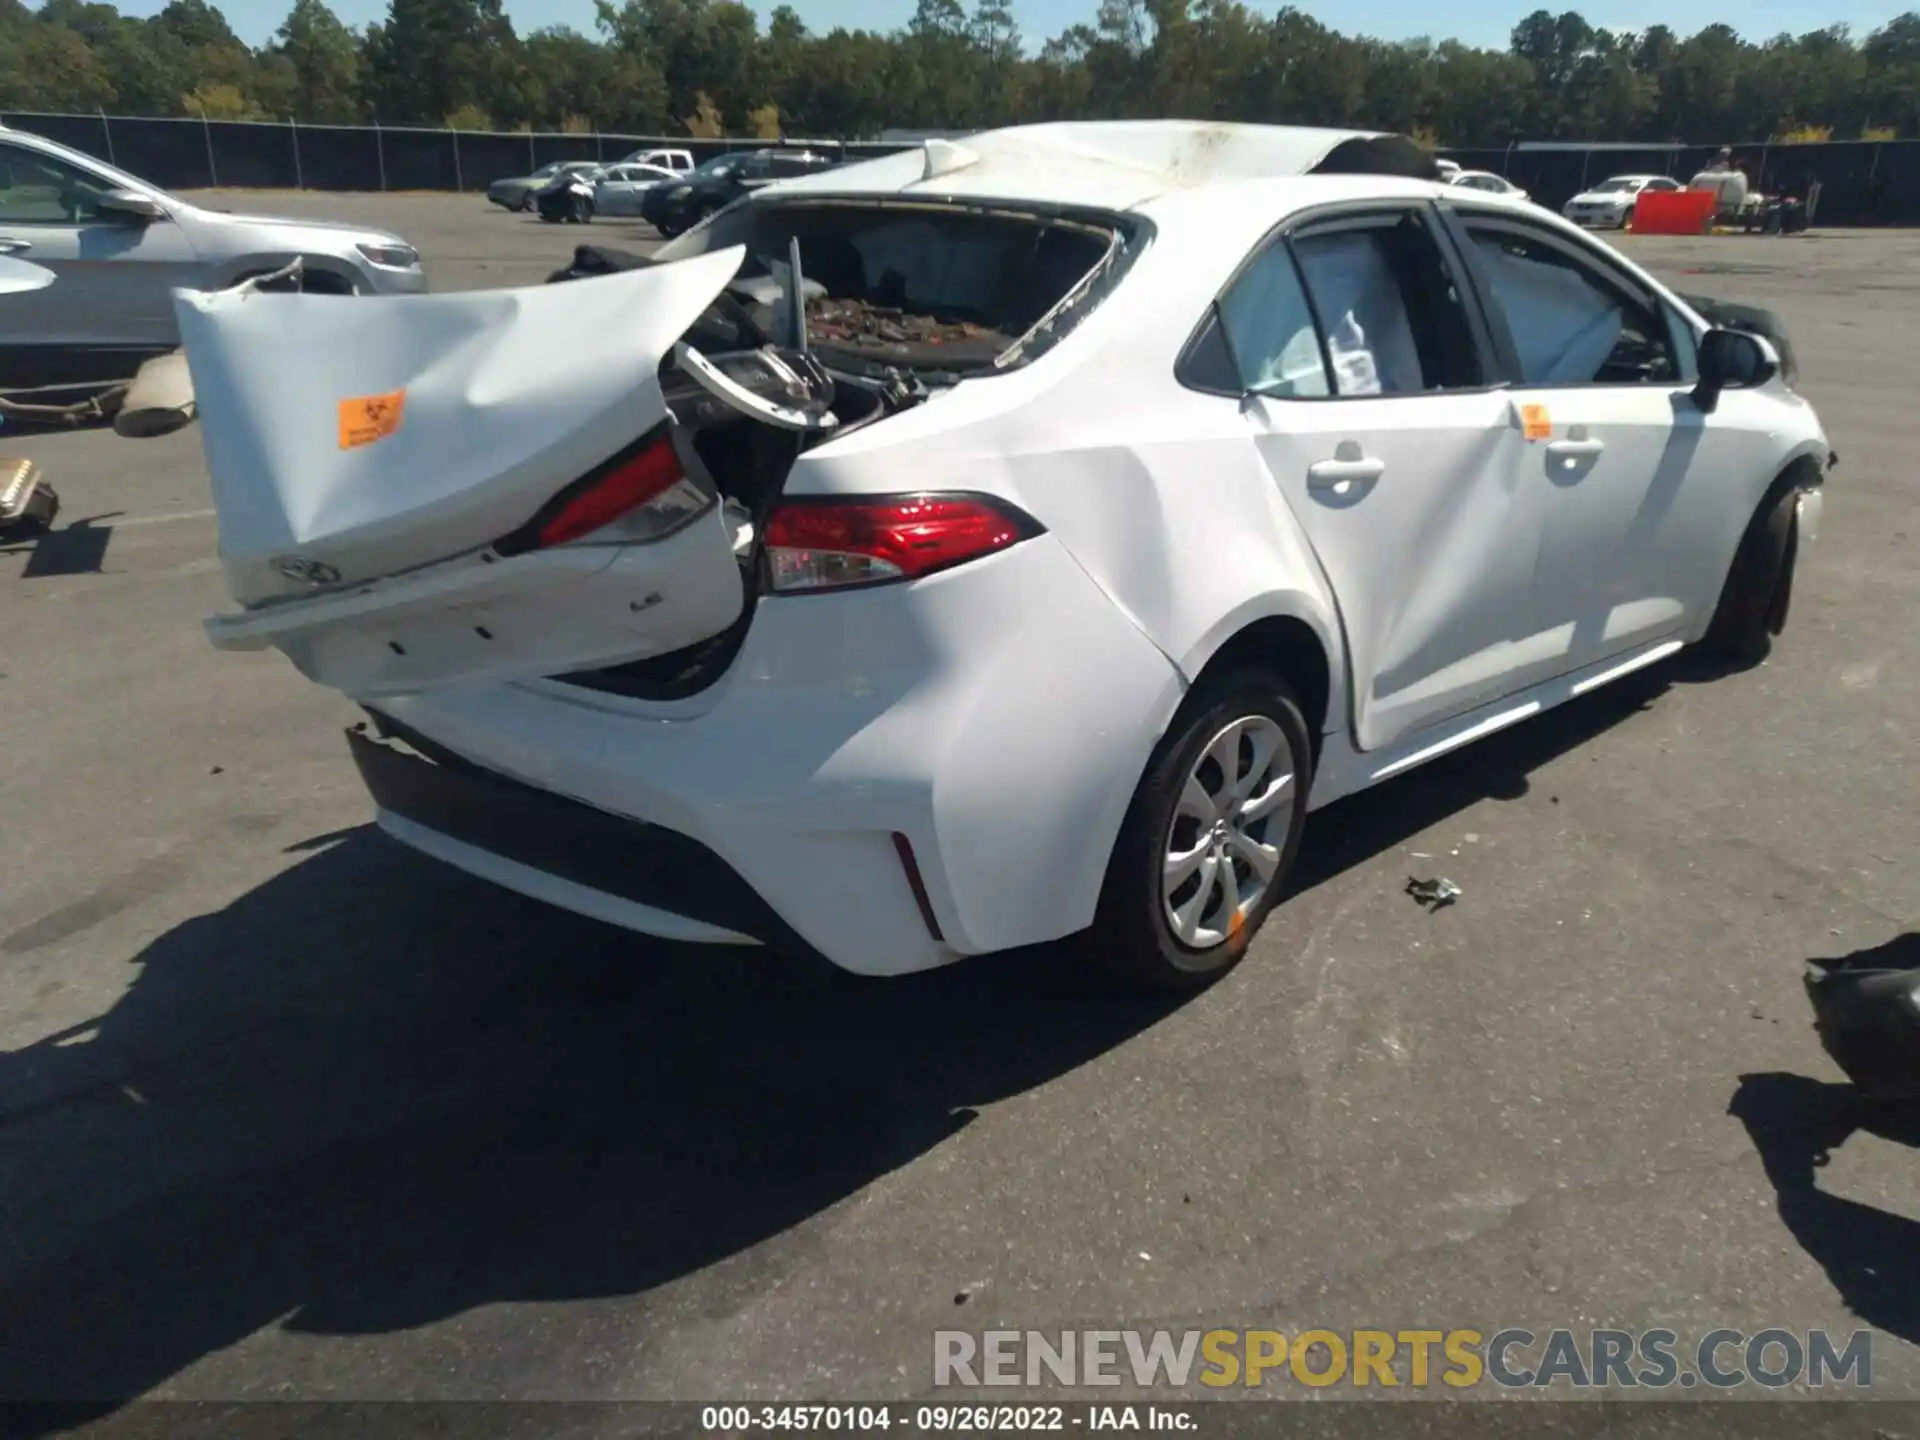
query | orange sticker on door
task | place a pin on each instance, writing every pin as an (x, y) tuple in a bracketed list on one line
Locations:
[(368, 418), (1535, 423)]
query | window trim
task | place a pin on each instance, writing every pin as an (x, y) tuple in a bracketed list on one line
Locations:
[(1340, 214), (1577, 248), (11, 144)]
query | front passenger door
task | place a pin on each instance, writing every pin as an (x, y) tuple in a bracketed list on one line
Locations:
[(1636, 484), (1366, 388)]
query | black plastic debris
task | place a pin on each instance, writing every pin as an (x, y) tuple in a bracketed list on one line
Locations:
[(1434, 894), (1866, 1008)]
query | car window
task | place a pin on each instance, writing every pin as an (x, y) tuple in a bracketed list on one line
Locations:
[(756, 167), (1270, 331), (1483, 182), (1390, 314), (38, 189), (1571, 322)]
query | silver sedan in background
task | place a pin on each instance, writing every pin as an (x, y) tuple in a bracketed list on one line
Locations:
[(618, 189), (118, 248)]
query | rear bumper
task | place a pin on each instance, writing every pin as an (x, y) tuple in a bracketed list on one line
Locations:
[(556, 849), (1002, 747)]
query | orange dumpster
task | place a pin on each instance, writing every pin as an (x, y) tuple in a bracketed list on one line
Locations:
[(1673, 212)]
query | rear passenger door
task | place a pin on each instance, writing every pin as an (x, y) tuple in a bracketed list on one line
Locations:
[(1638, 486), (1365, 377)]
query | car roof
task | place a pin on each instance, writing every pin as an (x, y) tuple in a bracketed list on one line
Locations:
[(1102, 164)]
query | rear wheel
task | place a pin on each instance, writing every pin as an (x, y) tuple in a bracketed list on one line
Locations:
[(1759, 585), (1210, 837)]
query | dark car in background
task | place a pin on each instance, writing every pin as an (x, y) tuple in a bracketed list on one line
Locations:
[(722, 180)]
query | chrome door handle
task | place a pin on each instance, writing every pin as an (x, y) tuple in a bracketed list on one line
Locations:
[(11, 246), (1574, 449), (1326, 474)]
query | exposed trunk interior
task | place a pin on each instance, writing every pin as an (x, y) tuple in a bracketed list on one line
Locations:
[(896, 301)]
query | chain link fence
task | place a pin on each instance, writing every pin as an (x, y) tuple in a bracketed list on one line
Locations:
[(211, 154), (1864, 182)]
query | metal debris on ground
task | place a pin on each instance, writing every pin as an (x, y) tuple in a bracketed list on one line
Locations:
[(1434, 894)]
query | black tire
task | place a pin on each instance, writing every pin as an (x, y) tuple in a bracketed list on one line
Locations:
[(1132, 939), (1626, 219), (526, 203), (1759, 585)]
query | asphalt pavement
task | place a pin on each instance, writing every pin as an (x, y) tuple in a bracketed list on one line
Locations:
[(288, 1112)]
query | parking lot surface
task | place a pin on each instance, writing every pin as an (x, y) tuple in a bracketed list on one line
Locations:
[(288, 1112)]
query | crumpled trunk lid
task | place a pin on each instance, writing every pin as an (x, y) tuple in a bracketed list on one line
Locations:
[(369, 456), (374, 436)]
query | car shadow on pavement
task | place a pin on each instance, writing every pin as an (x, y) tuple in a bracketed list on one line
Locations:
[(77, 547), (373, 1093), (1871, 1255), (1354, 830)]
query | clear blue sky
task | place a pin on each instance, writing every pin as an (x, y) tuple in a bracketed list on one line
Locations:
[(1477, 22)]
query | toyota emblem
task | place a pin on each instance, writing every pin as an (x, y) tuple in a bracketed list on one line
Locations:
[(313, 572)]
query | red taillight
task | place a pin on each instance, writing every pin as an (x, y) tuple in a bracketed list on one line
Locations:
[(645, 477), (831, 545)]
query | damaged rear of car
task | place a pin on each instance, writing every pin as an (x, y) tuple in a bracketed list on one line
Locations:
[(495, 513), (584, 481)]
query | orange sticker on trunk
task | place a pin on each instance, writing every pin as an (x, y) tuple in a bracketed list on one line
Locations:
[(368, 418), (1535, 423)]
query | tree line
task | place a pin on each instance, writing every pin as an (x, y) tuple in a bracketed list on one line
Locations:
[(709, 67)]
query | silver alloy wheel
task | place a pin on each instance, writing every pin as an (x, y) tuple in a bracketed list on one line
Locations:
[(1218, 862)]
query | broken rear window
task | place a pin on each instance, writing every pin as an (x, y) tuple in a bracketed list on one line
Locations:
[(924, 286)]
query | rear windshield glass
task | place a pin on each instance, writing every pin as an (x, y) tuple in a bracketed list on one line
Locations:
[(920, 286)]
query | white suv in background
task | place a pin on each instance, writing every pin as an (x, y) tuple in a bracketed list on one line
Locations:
[(676, 162)]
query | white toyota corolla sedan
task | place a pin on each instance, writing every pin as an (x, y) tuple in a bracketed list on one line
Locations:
[(993, 542)]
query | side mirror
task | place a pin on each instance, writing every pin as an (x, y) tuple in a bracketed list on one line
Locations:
[(130, 205), (1732, 360)]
